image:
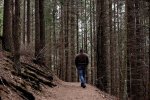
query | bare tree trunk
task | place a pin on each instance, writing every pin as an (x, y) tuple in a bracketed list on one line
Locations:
[(103, 50), (140, 53), (54, 35), (37, 28), (7, 26), (63, 39), (66, 34), (117, 63), (77, 24), (85, 27), (33, 21), (39, 31), (130, 40), (62, 58), (28, 22), (94, 40), (135, 51), (16, 36), (112, 47), (42, 24), (24, 22), (91, 44), (149, 54), (72, 39)]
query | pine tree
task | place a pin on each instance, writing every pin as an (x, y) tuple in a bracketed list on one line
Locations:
[(39, 31), (28, 21), (103, 43), (16, 36), (7, 26)]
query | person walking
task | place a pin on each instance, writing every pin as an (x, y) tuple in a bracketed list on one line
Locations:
[(81, 62)]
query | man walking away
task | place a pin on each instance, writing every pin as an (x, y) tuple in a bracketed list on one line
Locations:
[(82, 61)]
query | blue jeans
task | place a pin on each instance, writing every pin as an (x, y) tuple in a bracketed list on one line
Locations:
[(81, 72)]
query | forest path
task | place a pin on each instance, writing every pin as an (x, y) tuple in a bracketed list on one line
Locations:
[(34, 83), (73, 91)]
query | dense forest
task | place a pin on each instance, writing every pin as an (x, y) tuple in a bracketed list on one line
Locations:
[(114, 34)]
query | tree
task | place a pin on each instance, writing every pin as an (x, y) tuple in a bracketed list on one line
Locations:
[(39, 31), (136, 52), (66, 35), (130, 41), (28, 21), (42, 29), (149, 53), (16, 36), (24, 22), (103, 43), (7, 26), (72, 39)]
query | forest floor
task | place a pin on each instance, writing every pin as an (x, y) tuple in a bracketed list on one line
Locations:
[(36, 83)]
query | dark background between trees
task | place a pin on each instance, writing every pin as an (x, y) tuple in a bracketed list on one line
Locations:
[(114, 33)]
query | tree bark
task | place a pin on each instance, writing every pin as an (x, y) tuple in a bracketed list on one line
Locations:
[(42, 24), (28, 22), (72, 37), (24, 22), (7, 26), (16, 36), (37, 29), (103, 50)]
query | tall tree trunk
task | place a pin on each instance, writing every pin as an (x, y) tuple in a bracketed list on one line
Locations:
[(123, 95), (112, 39), (94, 40), (24, 22), (77, 24), (37, 29), (28, 21), (16, 36), (140, 53), (7, 26), (130, 36), (98, 31), (117, 65), (69, 70), (62, 45), (149, 53), (66, 35), (42, 24), (54, 35), (72, 39), (85, 26), (91, 44), (33, 21), (131, 48), (103, 50), (82, 23)]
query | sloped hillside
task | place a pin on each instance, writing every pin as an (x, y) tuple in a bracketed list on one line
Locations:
[(38, 83), (28, 85)]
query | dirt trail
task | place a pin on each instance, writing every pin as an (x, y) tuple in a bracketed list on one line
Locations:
[(34, 84), (73, 91)]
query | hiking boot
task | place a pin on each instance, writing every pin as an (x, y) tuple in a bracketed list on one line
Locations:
[(83, 85)]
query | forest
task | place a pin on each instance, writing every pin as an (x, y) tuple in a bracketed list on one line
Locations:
[(114, 34)]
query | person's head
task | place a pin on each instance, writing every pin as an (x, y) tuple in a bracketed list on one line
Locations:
[(81, 51)]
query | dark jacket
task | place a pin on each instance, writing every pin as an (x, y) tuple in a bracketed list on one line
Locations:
[(82, 59)]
